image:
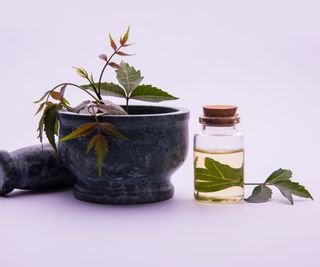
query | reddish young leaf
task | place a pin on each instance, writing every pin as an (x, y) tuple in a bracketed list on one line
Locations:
[(55, 95), (62, 90), (123, 54), (112, 42), (114, 65), (121, 41), (103, 57), (125, 45)]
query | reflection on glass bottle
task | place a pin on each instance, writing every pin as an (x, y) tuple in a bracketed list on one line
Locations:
[(219, 156)]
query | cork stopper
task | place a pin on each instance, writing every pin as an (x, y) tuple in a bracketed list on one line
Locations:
[(220, 115)]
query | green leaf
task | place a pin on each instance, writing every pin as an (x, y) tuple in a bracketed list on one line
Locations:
[(224, 171), (42, 98), (40, 128), (125, 37), (82, 130), (112, 130), (261, 193), (151, 94), (81, 72), (107, 89), (204, 175), (128, 77), (214, 187), (41, 121), (285, 192), (195, 163), (289, 188), (101, 148), (40, 108), (217, 176), (279, 175), (49, 121)]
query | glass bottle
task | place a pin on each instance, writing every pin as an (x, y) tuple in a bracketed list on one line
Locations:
[(219, 156)]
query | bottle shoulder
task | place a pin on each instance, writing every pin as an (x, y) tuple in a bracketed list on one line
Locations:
[(218, 142)]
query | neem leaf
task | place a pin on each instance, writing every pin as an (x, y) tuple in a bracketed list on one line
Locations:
[(108, 89), (40, 108), (114, 65), (112, 42), (42, 97), (151, 94), (101, 148), (40, 127), (128, 77), (288, 188), (285, 192), (214, 186), (261, 193), (103, 57), (49, 121), (55, 95), (82, 130), (279, 175), (120, 53), (224, 171), (125, 37), (205, 176), (217, 176), (112, 130), (62, 90), (81, 72)]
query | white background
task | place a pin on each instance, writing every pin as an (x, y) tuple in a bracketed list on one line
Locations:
[(260, 55)]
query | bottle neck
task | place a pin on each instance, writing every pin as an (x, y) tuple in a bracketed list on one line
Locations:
[(214, 130)]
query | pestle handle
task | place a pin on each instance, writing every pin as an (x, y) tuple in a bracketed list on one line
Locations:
[(35, 167), (8, 175)]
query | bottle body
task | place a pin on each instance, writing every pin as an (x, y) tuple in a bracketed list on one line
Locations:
[(219, 164)]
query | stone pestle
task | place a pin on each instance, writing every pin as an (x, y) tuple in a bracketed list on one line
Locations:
[(33, 168)]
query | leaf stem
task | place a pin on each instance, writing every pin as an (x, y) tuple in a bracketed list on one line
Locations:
[(94, 87), (104, 68), (253, 183), (127, 104), (71, 84)]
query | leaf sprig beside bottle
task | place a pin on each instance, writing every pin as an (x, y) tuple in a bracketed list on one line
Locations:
[(281, 179), (216, 176)]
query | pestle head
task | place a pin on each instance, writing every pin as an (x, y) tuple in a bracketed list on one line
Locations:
[(7, 173)]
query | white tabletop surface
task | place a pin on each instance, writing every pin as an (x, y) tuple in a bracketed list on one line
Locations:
[(260, 55)]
